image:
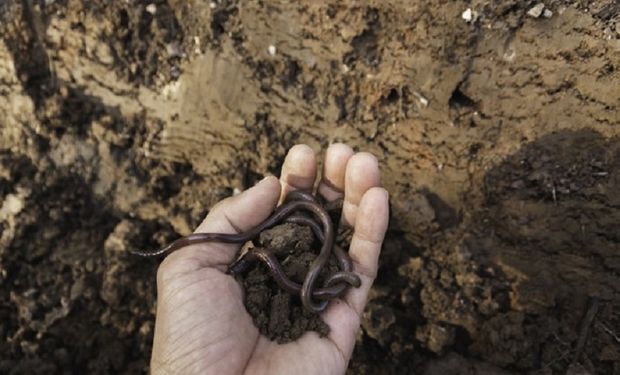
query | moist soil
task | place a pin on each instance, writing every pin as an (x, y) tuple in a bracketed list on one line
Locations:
[(277, 314), (122, 123)]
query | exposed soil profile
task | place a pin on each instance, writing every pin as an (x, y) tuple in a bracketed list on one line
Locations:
[(497, 131)]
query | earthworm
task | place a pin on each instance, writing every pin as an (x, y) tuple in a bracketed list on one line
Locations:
[(277, 216), (341, 255), (319, 262), (196, 238), (335, 285)]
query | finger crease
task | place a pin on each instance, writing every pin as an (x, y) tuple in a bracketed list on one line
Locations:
[(232, 224), (358, 314), (331, 185), (341, 354), (359, 236), (363, 270)]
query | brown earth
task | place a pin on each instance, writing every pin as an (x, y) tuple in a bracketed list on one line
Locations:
[(498, 138), (276, 313)]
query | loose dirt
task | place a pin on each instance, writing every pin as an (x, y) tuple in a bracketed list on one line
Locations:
[(276, 313), (122, 123)]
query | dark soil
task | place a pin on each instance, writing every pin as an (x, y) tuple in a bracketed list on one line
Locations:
[(121, 124), (276, 313)]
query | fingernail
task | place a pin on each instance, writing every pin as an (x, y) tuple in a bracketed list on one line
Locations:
[(263, 179), (386, 193)]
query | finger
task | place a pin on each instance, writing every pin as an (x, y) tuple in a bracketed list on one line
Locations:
[(332, 183), (362, 173), (298, 170), (372, 220), (233, 215)]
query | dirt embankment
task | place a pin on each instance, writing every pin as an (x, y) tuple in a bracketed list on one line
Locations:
[(498, 139)]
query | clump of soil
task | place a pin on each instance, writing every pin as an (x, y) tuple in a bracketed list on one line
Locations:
[(277, 314)]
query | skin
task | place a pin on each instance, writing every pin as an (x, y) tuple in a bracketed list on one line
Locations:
[(202, 326), (295, 200)]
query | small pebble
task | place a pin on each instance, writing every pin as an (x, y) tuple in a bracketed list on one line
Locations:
[(469, 15), (536, 10), (423, 101), (272, 50), (509, 55), (151, 8), (547, 13), (13, 204)]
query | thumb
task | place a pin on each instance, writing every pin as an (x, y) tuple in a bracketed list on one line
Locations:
[(232, 215)]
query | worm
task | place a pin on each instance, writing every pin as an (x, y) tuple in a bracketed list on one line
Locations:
[(341, 255), (276, 217), (335, 285)]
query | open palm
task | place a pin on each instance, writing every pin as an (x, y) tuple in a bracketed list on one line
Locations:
[(202, 325)]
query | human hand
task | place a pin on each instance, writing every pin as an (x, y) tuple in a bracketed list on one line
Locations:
[(202, 325)]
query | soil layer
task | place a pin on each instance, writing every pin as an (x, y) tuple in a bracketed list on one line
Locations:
[(497, 132)]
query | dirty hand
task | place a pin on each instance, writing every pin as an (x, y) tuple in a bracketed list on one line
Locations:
[(202, 325)]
